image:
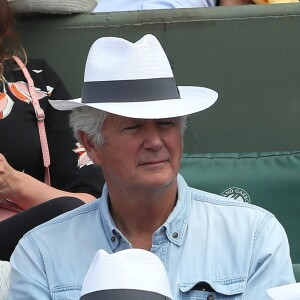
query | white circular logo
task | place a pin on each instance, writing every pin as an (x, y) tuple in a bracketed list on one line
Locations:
[(237, 193)]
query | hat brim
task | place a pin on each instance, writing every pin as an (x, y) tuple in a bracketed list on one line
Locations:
[(124, 294), (192, 100)]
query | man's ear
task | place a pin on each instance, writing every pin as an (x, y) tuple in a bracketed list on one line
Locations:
[(92, 150)]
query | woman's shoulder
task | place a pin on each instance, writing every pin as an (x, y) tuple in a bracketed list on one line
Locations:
[(36, 63), (38, 66)]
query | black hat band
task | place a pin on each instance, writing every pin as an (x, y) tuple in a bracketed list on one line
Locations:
[(138, 90)]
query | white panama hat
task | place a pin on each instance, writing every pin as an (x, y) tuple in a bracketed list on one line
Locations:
[(131, 274), (135, 80), (283, 292)]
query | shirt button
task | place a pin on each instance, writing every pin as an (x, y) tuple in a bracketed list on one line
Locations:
[(175, 235), (113, 238), (210, 297)]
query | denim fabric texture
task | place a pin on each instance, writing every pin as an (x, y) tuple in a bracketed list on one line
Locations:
[(212, 248)]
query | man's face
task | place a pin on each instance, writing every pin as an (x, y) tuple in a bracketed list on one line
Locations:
[(139, 153)]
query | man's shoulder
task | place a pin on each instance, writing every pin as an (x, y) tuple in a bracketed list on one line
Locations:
[(207, 198), (238, 217), (200, 198), (69, 218)]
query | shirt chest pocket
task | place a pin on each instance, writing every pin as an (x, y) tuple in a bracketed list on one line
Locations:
[(66, 292), (229, 289)]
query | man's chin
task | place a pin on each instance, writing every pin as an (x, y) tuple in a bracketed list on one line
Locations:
[(159, 182)]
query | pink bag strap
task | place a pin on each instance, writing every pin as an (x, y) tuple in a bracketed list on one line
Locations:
[(40, 116)]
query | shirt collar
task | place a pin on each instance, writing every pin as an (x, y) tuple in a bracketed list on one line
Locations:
[(175, 226), (112, 233)]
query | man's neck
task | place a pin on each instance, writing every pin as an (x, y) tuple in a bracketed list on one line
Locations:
[(139, 215)]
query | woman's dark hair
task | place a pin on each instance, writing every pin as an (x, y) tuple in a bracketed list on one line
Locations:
[(9, 42)]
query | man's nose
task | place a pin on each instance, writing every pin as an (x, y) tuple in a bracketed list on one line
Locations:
[(152, 137)]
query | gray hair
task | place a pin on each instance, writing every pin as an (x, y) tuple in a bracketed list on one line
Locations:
[(90, 120)]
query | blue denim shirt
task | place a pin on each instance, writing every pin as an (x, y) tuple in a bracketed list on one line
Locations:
[(132, 5), (238, 249)]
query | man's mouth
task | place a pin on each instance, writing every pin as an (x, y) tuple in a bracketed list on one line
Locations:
[(153, 162)]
